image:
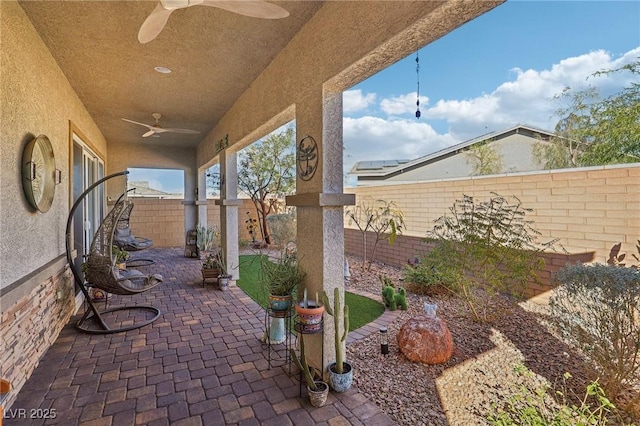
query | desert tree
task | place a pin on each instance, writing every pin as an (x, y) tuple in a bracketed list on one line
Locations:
[(484, 159), (593, 130), (266, 172)]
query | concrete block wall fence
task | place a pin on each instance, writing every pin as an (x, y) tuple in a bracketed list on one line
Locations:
[(588, 209), (162, 220)]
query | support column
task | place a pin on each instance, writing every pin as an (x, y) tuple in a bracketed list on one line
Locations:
[(229, 203), (201, 199), (192, 214), (320, 205)]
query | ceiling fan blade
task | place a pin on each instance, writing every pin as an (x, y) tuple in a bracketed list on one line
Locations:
[(150, 133), (184, 131), (153, 25), (252, 8), (140, 124)]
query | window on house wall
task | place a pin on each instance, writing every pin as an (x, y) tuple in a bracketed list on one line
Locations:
[(156, 183)]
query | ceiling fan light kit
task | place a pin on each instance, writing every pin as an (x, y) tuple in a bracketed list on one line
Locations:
[(155, 22)]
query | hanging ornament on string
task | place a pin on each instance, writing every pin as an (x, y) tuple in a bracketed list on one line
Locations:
[(418, 84)]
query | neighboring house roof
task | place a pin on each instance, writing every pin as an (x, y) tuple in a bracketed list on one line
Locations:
[(142, 189), (387, 168)]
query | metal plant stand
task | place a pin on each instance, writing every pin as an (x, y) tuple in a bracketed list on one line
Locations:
[(270, 317)]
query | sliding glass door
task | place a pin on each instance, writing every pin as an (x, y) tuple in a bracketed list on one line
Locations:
[(87, 169)]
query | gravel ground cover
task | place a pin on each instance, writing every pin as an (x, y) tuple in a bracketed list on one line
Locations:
[(482, 370)]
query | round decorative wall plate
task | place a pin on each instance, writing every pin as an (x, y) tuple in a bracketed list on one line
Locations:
[(307, 158), (38, 173)]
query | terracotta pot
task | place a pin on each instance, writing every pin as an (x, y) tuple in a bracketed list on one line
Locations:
[(310, 318)]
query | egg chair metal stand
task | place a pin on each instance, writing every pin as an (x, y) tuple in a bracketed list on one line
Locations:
[(102, 273)]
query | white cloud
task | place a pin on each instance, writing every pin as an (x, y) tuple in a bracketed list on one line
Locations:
[(528, 99), (375, 138), (403, 104), (354, 100)]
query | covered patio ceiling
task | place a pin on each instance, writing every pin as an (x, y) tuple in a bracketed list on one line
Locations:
[(215, 56)]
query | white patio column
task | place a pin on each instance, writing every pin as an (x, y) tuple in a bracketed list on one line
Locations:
[(320, 201), (191, 212), (201, 199), (229, 203)]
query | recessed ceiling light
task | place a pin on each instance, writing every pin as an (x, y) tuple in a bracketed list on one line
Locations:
[(163, 70)]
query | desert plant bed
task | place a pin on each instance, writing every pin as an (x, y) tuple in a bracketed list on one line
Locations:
[(486, 368)]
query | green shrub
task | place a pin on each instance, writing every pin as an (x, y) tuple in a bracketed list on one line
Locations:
[(487, 245), (428, 279), (597, 309), (539, 407)]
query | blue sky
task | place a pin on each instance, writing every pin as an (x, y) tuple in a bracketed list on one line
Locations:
[(501, 69)]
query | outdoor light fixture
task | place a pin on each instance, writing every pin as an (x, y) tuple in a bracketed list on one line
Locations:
[(384, 341)]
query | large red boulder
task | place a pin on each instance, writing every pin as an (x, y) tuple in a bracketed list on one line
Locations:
[(426, 339)]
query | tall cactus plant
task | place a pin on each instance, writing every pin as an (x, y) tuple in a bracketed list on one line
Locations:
[(337, 313)]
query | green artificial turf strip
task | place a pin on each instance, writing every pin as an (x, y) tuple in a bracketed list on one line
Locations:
[(249, 280), (362, 310)]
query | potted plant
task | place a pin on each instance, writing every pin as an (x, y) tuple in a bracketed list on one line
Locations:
[(224, 277), (280, 278), (309, 314), (317, 389), (121, 256), (205, 237), (210, 268), (340, 372)]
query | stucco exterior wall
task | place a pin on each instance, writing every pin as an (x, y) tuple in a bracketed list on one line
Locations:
[(36, 294), (36, 99), (588, 209)]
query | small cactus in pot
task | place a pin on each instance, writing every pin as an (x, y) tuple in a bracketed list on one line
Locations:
[(318, 390)]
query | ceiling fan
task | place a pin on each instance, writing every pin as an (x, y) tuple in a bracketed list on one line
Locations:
[(155, 129), (155, 22)]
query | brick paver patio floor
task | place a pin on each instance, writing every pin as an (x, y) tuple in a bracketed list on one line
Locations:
[(201, 363)]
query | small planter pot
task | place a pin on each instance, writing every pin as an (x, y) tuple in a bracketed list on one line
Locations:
[(280, 304), (340, 382), (223, 282), (318, 398), (310, 318)]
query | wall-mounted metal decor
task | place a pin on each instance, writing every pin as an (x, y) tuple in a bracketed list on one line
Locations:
[(307, 158), (222, 143), (39, 174)]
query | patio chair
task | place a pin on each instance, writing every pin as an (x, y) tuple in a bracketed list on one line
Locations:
[(102, 273), (123, 237)]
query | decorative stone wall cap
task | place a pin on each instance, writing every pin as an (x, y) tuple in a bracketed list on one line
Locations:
[(228, 202), (321, 199)]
